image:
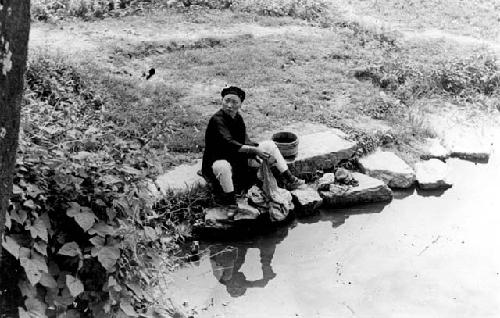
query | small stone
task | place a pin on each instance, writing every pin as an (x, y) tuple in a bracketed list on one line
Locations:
[(342, 175), (389, 168), (323, 184), (432, 174)]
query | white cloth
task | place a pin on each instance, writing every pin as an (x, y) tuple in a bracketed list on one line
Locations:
[(224, 173)]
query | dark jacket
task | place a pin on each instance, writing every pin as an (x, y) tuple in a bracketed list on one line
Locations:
[(223, 139)]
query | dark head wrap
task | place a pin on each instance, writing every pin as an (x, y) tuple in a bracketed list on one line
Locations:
[(233, 90)]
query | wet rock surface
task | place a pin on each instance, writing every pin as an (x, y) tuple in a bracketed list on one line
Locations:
[(389, 168), (226, 217), (369, 190), (306, 200), (432, 175)]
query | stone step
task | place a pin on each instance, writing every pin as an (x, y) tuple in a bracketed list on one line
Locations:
[(317, 151), (181, 178), (306, 200), (432, 175), (433, 149), (320, 151), (369, 190), (389, 168)]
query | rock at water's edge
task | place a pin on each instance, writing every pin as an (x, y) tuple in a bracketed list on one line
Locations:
[(369, 190), (432, 175), (389, 168), (306, 200), (320, 151), (218, 217)]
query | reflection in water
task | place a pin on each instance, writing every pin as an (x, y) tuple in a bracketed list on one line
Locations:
[(431, 193), (227, 261)]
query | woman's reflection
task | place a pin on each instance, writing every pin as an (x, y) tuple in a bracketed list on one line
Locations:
[(227, 261)]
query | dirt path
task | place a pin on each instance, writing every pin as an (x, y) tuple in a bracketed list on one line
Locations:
[(411, 33), (101, 36)]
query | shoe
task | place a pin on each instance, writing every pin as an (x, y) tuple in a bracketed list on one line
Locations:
[(227, 200), (290, 181)]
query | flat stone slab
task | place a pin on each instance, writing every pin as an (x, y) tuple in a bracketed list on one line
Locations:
[(468, 145), (306, 200), (181, 178), (320, 151), (389, 168), (317, 151), (432, 175), (369, 190), (433, 149), (219, 218)]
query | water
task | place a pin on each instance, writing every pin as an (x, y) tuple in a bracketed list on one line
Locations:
[(432, 255)]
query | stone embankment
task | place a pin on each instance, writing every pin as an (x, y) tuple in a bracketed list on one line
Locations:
[(322, 151)]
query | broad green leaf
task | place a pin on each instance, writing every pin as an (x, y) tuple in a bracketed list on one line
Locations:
[(39, 229), (97, 241), (75, 209), (85, 220), (16, 189), (8, 220), (48, 281), (75, 286), (107, 256), (26, 289), (11, 246), (32, 190), (41, 247), (150, 233), (70, 249), (30, 204), (102, 229), (40, 260), (23, 313), (32, 270), (127, 308), (33, 266), (19, 216), (35, 307)]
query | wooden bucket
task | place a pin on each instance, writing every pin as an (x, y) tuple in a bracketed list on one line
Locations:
[(287, 142)]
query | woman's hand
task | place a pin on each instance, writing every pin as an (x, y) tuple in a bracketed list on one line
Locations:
[(261, 154)]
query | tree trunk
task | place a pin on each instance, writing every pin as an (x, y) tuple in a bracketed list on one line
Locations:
[(14, 33)]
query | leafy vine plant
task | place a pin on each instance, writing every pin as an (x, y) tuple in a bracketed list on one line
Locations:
[(82, 233)]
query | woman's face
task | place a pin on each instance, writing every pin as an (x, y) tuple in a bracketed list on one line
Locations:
[(231, 104)]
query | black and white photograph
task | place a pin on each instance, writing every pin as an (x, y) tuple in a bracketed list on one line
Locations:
[(249, 158)]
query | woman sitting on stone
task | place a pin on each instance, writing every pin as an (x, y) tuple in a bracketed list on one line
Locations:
[(228, 151)]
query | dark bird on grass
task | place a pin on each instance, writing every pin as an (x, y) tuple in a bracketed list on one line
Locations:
[(150, 74)]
